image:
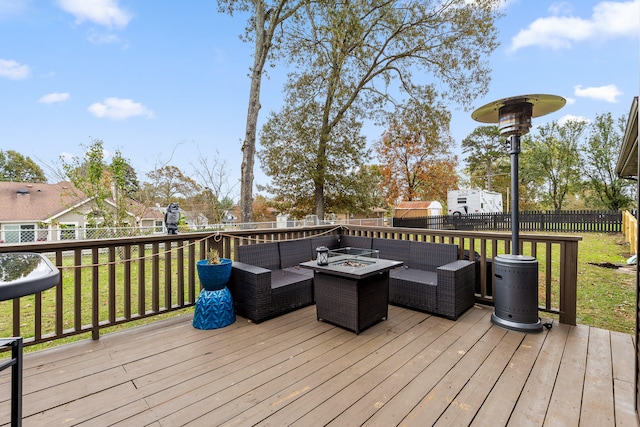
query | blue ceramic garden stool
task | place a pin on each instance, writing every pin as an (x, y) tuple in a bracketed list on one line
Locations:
[(214, 309)]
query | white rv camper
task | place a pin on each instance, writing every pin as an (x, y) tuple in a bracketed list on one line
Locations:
[(473, 201)]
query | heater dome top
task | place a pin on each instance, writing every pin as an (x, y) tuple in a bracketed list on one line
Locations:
[(514, 114), (541, 104)]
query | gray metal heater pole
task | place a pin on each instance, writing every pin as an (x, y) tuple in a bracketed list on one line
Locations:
[(514, 150)]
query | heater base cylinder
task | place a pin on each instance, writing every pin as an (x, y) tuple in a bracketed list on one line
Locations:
[(516, 293)]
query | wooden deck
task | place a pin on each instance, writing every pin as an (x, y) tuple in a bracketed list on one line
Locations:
[(412, 369)]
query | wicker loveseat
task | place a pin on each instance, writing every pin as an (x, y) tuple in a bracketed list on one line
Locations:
[(264, 280), (432, 278)]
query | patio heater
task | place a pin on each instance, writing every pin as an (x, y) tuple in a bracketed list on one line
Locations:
[(515, 292)]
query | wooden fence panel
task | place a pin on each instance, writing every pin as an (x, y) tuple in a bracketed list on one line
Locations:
[(570, 221), (630, 230)]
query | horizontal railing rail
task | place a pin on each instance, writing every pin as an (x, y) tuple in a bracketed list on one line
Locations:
[(108, 282)]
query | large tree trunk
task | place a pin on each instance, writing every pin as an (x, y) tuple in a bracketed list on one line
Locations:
[(262, 45), (249, 149), (321, 170), (274, 16)]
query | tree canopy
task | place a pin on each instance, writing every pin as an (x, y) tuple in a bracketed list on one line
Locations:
[(600, 154), (102, 182), (415, 156), (14, 167), (355, 59), (293, 160), (212, 175), (485, 149), (168, 184), (553, 160)]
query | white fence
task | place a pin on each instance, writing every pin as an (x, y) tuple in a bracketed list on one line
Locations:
[(53, 234)]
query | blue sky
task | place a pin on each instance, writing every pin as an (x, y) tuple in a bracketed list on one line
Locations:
[(160, 80)]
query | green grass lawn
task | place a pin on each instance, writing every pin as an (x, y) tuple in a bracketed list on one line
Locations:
[(606, 296)]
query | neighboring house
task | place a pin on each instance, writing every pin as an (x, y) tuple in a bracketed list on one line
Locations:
[(43, 212), (194, 220)]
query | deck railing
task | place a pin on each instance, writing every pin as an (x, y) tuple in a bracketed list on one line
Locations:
[(108, 282)]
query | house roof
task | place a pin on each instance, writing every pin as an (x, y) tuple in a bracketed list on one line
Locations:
[(627, 165), (414, 204), (26, 201)]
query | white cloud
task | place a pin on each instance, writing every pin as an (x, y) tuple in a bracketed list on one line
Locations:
[(52, 98), (572, 118), (119, 109), (560, 8), (107, 13), (96, 38), (609, 20), (13, 70), (608, 93), (10, 7), (571, 101)]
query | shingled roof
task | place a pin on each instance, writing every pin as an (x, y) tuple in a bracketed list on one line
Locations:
[(27, 201), (30, 202), (414, 204)]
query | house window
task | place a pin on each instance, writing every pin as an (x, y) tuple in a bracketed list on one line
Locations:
[(11, 233), (159, 226), (27, 233), (19, 233)]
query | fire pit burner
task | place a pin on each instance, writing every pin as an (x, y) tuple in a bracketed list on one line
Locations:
[(351, 263)]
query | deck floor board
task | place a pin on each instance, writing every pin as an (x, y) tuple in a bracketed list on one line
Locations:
[(411, 369)]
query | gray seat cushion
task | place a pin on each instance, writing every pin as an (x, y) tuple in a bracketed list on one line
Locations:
[(265, 255), (414, 275)]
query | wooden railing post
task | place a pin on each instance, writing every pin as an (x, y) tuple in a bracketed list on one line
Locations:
[(568, 282)]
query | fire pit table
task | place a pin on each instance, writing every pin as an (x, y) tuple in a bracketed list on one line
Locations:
[(352, 289)]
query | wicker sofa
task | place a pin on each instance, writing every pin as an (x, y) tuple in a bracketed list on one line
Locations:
[(266, 280)]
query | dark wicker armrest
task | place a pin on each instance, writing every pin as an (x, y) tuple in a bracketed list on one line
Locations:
[(250, 288), (455, 292)]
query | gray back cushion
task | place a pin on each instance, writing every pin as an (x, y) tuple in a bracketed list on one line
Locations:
[(360, 242), (397, 250), (293, 252), (265, 255), (330, 241), (429, 256)]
